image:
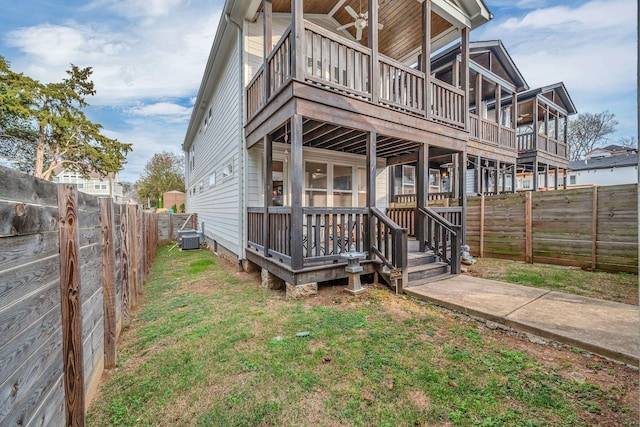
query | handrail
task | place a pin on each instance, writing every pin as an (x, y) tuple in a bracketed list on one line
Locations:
[(443, 237), (394, 255)]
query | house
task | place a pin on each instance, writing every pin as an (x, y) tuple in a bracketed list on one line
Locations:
[(611, 165), (304, 111), (543, 115), (92, 183)]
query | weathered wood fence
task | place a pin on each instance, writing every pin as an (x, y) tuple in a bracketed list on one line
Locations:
[(592, 228), (72, 267), (169, 224)]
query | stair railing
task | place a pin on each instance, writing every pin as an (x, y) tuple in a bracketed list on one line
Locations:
[(443, 238), (389, 243)]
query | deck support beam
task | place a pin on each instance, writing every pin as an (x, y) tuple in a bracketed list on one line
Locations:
[(462, 178), (426, 55), (422, 194), (297, 170), (371, 189), (267, 176)]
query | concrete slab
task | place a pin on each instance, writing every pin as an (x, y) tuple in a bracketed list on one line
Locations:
[(606, 328), (488, 299), (603, 327)]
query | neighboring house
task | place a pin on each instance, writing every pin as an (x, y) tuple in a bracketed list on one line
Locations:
[(93, 183), (610, 165), (174, 198), (292, 142)]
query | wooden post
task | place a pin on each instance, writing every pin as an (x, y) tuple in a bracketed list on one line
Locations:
[(462, 178), (426, 55), (464, 78), (133, 259), (422, 195), (297, 39), (267, 34), (71, 305), (297, 171), (267, 160), (108, 281), (528, 225), (535, 173), (139, 250), (481, 249), (478, 171), (374, 81), (170, 219), (594, 229), (125, 263), (371, 191), (514, 112)]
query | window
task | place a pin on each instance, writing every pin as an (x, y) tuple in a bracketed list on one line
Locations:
[(315, 180), (362, 187), (526, 184), (572, 180), (227, 170), (434, 180), (96, 186), (342, 186), (212, 179)]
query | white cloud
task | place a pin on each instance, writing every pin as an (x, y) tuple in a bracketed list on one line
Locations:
[(162, 109)]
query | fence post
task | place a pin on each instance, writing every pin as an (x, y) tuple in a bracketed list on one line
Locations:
[(594, 229), (139, 250), (108, 280), (71, 305), (528, 232), (133, 260), (481, 249), (125, 266)]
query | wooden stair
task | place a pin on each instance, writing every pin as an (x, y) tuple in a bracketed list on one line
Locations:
[(422, 267)]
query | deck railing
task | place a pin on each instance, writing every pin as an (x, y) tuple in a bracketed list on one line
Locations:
[(334, 62), (401, 87), (404, 217), (490, 132), (532, 142), (411, 198)]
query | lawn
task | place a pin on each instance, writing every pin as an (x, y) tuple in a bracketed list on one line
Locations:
[(621, 287), (208, 347)]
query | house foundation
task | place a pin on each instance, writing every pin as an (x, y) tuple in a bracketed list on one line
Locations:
[(270, 281), (301, 291)]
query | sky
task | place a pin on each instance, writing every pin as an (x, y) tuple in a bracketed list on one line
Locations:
[(148, 57)]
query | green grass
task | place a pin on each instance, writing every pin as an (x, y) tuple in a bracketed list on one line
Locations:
[(209, 349), (620, 287)]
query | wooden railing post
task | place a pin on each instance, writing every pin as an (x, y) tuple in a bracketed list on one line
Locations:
[(374, 70), (297, 169), (108, 281), (71, 305), (426, 55), (297, 39)]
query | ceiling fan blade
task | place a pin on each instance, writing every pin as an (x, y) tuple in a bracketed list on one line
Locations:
[(359, 34), (351, 12), (343, 27), (380, 26), (366, 15)]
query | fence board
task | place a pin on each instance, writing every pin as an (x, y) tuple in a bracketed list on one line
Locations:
[(561, 229), (20, 250)]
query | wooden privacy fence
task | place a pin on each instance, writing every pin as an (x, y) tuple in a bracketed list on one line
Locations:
[(72, 267), (169, 224), (593, 228)]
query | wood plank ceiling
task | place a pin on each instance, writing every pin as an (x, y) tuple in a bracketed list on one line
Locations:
[(402, 20)]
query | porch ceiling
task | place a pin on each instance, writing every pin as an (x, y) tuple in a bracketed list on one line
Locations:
[(401, 35), (328, 136)]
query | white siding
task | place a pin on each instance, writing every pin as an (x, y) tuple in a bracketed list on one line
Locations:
[(218, 205), (610, 176)]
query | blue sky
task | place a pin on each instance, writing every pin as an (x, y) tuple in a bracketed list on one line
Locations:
[(148, 57)]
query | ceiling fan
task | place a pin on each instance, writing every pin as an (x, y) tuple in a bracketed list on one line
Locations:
[(361, 20)]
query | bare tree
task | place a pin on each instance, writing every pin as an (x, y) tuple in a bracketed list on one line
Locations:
[(589, 130)]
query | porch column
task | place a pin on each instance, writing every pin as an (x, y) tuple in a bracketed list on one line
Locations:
[(555, 176), (535, 125), (464, 77), (479, 176), (564, 178), (297, 39), (535, 174), (514, 170), (267, 177), (426, 55), (498, 95), (374, 82), (546, 177), (297, 171), (462, 177), (499, 181), (514, 114), (422, 193), (267, 37), (371, 190)]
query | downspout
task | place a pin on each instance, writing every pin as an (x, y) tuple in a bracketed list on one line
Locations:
[(241, 154)]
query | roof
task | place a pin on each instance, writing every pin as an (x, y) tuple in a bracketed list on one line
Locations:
[(559, 88), (617, 161), (614, 147), (508, 70)]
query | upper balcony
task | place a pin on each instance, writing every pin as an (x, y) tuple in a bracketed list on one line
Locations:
[(387, 71)]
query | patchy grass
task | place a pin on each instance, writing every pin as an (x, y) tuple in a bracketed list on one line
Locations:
[(208, 347), (621, 287)]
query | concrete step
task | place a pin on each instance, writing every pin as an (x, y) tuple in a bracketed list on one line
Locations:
[(439, 277), (426, 271)]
